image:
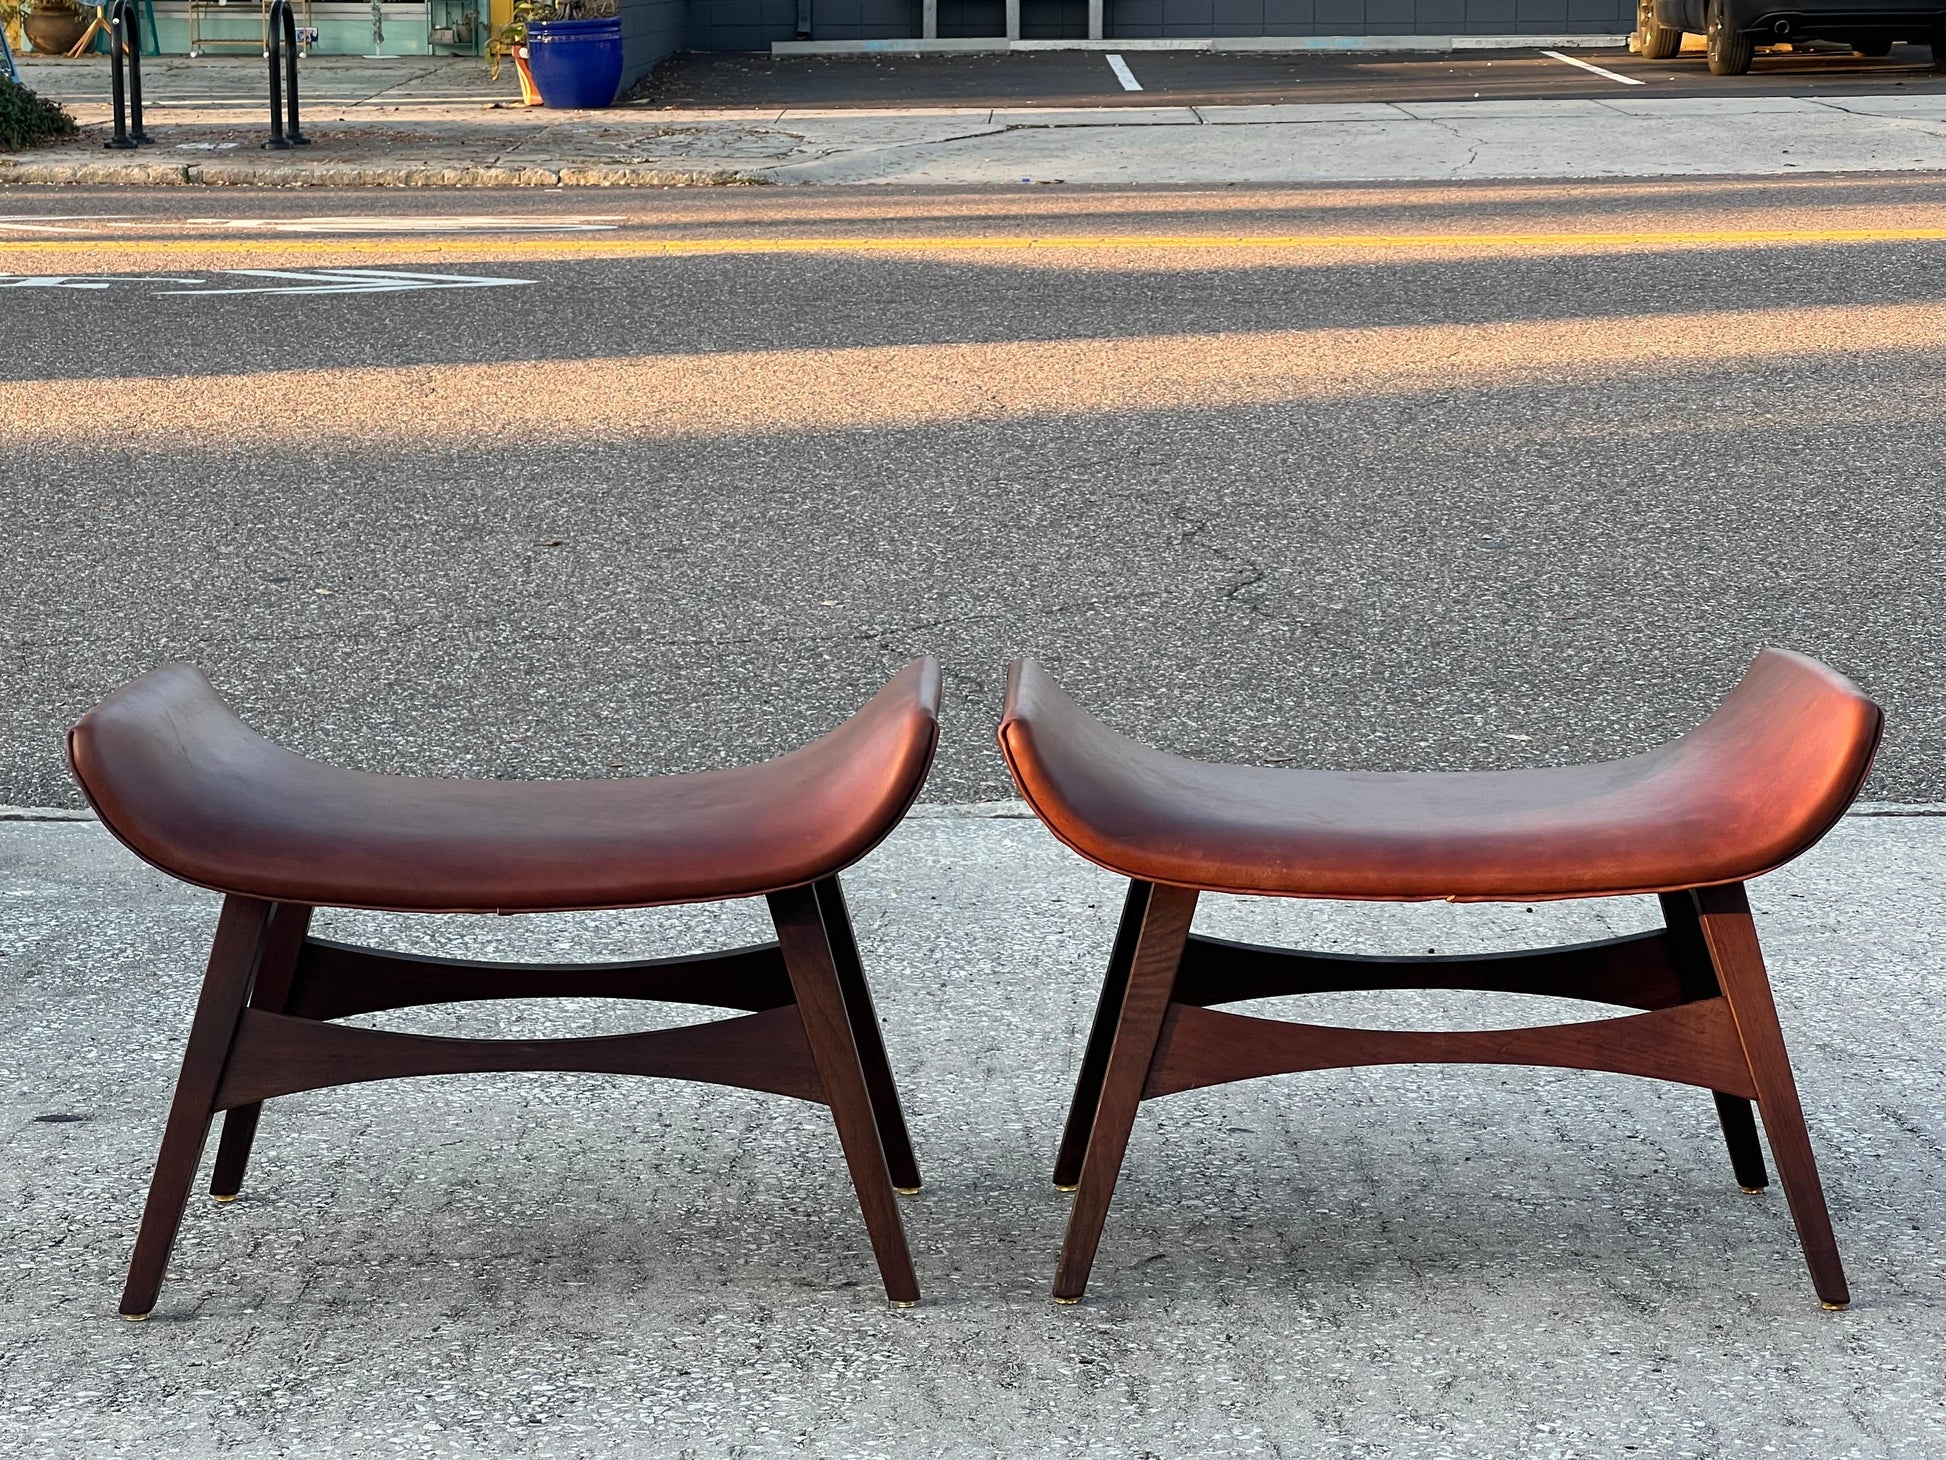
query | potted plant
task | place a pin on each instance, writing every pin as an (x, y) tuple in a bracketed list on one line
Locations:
[(53, 27), (574, 50), (511, 41)]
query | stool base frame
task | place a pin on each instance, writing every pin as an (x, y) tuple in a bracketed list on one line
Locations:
[(1707, 1019), (263, 1028)]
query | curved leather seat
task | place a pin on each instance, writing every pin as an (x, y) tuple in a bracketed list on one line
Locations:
[(1753, 786), (190, 788)]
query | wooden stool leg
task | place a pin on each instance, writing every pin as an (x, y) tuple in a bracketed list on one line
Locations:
[(1101, 1036), (863, 1018), (1739, 1122), (1732, 938), (813, 970), (1151, 980), (232, 961), (1698, 977), (276, 966)]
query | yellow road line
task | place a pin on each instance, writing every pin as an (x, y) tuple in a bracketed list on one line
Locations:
[(127, 249)]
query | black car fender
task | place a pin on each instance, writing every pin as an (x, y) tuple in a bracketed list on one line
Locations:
[(1681, 15)]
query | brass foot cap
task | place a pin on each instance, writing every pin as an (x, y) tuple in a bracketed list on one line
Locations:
[(231, 1197), (1067, 1302), (903, 1302), (1075, 1187), (135, 1317), (1835, 1307), (906, 1190), (1752, 1190)]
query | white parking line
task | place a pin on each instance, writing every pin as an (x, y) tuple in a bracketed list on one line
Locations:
[(1123, 74), (1587, 66)]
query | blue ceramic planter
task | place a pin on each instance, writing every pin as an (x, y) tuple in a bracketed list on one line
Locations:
[(577, 64)]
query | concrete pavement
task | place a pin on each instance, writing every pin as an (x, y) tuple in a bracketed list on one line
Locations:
[(1356, 142), (446, 126), (1410, 1263)]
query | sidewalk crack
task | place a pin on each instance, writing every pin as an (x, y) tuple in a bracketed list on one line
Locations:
[(418, 74), (808, 152), (1472, 144), (1915, 123)]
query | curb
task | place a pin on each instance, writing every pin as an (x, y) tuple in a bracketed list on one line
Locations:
[(995, 811), (922, 810), (355, 175)]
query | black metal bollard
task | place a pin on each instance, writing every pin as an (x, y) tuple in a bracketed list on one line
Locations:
[(282, 24), (132, 38), (125, 43)]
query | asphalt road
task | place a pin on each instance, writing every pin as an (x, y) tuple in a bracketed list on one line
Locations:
[(1393, 503), (1214, 78)]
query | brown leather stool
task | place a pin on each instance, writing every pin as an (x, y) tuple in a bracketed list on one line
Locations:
[(187, 787), (1756, 784)]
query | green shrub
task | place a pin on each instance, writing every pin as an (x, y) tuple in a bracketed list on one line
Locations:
[(27, 119)]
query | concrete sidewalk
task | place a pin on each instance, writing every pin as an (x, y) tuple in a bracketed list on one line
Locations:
[(444, 125), (1401, 1262)]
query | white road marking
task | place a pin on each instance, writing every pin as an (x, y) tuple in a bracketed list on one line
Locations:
[(1123, 74), (81, 281), (1589, 66), (351, 281), (111, 223), (308, 281), (456, 223), (48, 222)]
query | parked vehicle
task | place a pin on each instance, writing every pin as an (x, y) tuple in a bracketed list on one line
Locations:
[(1733, 29)]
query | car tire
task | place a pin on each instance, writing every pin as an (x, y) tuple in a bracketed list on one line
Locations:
[(1654, 42), (1873, 48), (1730, 52), (1939, 53)]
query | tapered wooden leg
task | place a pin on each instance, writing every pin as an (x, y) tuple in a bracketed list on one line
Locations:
[(1698, 977), (283, 941), (892, 1133), (1739, 1122), (1101, 1036), (1731, 936), (232, 961), (809, 959), (1151, 979)]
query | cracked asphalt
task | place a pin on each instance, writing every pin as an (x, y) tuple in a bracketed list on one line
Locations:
[(1380, 506)]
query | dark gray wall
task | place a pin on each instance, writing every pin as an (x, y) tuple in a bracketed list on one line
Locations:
[(1055, 20), (751, 25), (740, 25), (972, 17), (651, 29)]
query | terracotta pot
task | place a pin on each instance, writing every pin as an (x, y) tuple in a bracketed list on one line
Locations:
[(52, 32)]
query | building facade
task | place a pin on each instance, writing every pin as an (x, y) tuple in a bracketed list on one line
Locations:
[(653, 29)]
